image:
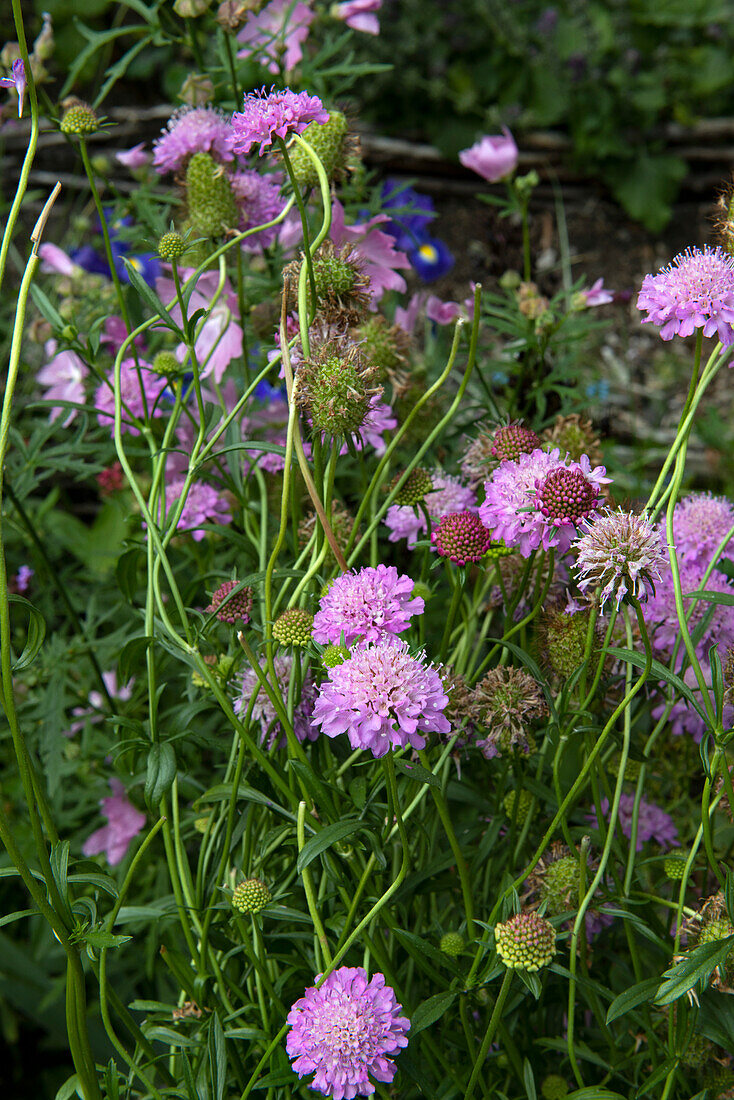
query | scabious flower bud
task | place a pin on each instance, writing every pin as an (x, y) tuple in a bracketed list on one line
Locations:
[(293, 627), (197, 90), (78, 118), (165, 362), (334, 655), (211, 203), (526, 941), (171, 246), (231, 608), (414, 488), (574, 435), (452, 944), (251, 896), (512, 440), (461, 537), (675, 864), (335, 387), (331, 142), (560, 884), (566, 496), (524, 800), (553, 1087)]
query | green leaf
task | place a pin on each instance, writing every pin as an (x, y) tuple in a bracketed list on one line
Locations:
[(131, 657), (431, 1010), (160, 773), (71, 1087), (100, 939), (529, 1080), (658, 672), (697, 967), (36, 633), (151, 298), (323, 840), (726, 598), (594, 1093), (10, 918), (217, 1057), (415, 771), (647, 185), (636, 995), (126, 571)]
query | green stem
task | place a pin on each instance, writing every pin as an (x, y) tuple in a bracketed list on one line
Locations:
[(489, 1034)]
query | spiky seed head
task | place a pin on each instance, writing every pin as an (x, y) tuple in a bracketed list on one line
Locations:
[(251, 896), (560, 884), (334, 655), (414, 488), (563, 639), (330, 141), (574, 435), (78, 118), (230, 606), (293, 627), (526, 941), (452, 944), (553, 1087), (211, 203), (342, 288), (336, 387), (171, 246), (383, 344)]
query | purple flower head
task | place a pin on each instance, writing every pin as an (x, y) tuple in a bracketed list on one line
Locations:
[(695, 291), (63, 378), (123, 823), (652, 823), (203, 504), (258, 198), (366, 606), (621, 553), (359, 15), (431, 258), (264, 712), (382, 697), (597, 294), (131, 395), (17, 81), (448, 495), (192, 130), (344, 1031), (700, 522), (537, 499), (276, 34), (379, 419), (662, 619), (219, 338), (443, 313), (22, 579), (492, 157), (266, 115)]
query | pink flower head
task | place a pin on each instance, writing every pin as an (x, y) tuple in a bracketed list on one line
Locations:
[(55, 261), (203, 504), (538, 500), (378, 258), (406, 317), (379, 419), (662, 618), (266, 115), (133, 158), (219, 338), (265, 713), (123, 823), (192, 130), (63, 376), (276, 34), (344, 1031), (368, 605), (597, 294), (359, 15), (695, 291), (381, 697), (492, 157), (461, 537), (652, 824), (443, 313), (131, 395), (259, 202), (620, 553), (16, 81), (700, 522)]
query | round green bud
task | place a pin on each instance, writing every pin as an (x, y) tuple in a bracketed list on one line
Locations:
[(171, 246), (293, 627), (452, 944), (165, 362), (675, 864), (334, 655), (524, 801), (553, 1087), (251, 896), (414, 488), (526, 941), (79, 118)]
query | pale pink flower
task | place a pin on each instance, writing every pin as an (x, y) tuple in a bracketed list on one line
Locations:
[(597, 294), (133, 158), (277, 34), (63, 376), (405, 318), (219, 340), (359, 15), (123, 823), (55, 261), (493, 157), (443, 313)]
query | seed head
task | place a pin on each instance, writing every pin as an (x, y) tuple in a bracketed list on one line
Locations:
[(334, 655), (452, 944), (563, 639), (336, 388), (342, 288), (524, 801), (526, 941), (675, 864), (332, 143), (293, 627), (78, 118), (384, 345), (166, 363), (251, 896), (553, 1087), (574, 435), (209, 196), (414, 488), (171, 246), (231, 606)]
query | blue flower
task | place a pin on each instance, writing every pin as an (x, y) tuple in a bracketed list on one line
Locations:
[(431, 258), (410, 225)]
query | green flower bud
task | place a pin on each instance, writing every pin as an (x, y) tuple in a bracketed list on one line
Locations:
[(527, 941), (334, 655), (251, 896), (293, 627), (553, 1087), (524, 799), (79, 118), (414, 488), (452, 944), (171, 246)]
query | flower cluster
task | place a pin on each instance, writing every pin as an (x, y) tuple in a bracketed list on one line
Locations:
[(366, 606), (696, 291), (267, 115)]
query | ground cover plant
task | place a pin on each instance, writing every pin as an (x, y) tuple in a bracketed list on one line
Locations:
[(361, 737)]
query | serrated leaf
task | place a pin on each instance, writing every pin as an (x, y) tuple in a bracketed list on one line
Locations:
[(697, 967), (100, 939)]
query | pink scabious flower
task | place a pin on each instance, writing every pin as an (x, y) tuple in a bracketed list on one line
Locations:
[(203, 504), (597, 294), (443, 313), (652, 823), (448, 495), (621, 553), (16, 81), (695, 291), (266, 115), (539, 499), (359, 15), (63, 378), (379, 419), (55, 261), (662, 619), (366, 606), (123, 823), (131, 395), (219, 338), (259, 202), (133, 158), (276, 34), (381, 697), (461, 537), (192, 130), (493, 157), (344, 1031), (271, 732), (374, 250), (700, 523)]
